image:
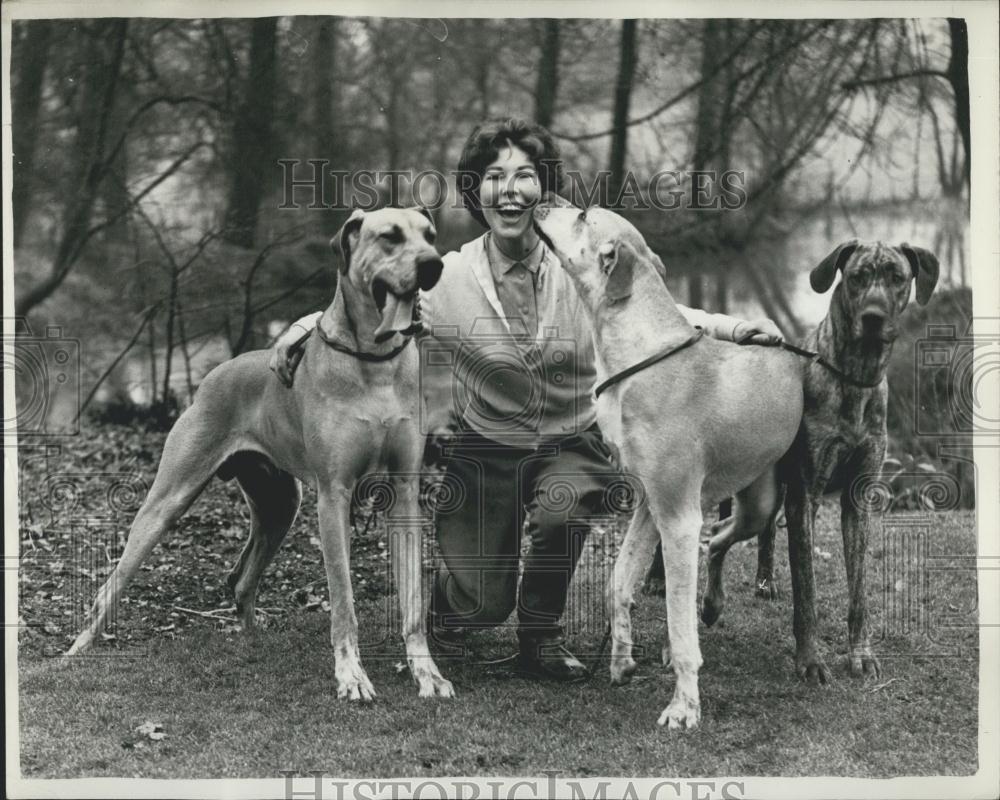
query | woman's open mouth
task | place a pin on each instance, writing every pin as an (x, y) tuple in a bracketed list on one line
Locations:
[(511, 212)]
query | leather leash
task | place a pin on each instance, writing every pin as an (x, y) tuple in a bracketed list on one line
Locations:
[(648, 362), (815, 357)]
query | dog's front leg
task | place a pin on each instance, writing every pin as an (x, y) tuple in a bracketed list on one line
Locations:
[(679, 522), (858, 523), (800, 511), (335, 538), (636, 550), (407, 567)]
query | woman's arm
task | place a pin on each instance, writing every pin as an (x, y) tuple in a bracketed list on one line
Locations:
[(287, 351), (733, 329)]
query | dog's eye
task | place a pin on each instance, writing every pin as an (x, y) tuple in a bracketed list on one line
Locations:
[(429, 235), (393, 236)]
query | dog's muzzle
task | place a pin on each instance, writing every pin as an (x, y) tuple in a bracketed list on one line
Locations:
[(876, 323)]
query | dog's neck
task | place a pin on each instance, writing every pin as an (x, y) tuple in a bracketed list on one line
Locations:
[(864, 360), (637, 327), (351, 320)]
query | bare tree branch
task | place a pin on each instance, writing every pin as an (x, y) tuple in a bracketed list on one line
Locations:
[(850, 86)]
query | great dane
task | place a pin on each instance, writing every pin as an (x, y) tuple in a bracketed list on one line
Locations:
[(351, 411), (692, 417), (841, 445)]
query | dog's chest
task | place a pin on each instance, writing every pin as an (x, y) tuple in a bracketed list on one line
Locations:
[(838, 425)]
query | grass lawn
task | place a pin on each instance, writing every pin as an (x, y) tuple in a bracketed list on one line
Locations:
[(234, 705)]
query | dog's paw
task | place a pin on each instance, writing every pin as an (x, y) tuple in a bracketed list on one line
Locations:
[(683, 712), (863, 663), (430, 683), (711, 608), (622, 669), (354, 685), (811, 668), (766, 588), (82, 644)]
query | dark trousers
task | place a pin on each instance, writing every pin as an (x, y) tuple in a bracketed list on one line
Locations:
[(558, 487)]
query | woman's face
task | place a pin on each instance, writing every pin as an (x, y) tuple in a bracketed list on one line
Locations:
[(509, 192)]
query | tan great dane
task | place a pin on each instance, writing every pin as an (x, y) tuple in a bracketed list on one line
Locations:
[(352, 411), (701, 419)]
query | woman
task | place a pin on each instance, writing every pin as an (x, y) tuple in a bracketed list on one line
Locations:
[(510, 335)]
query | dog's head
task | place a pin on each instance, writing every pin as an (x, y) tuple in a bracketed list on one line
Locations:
[(599, 249), (389, 254), (876, 283)]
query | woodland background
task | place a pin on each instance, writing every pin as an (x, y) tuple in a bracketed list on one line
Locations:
[(147, 189)]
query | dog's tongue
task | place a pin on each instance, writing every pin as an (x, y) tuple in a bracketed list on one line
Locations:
[(398, 316)]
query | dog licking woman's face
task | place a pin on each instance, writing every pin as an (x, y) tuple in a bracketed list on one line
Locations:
[(509, 191)]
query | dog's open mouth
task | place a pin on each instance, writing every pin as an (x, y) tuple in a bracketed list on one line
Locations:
[(400, 313), (380, 289)]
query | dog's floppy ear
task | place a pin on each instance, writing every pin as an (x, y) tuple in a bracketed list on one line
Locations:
[(925, 270), (425, 211), (618, 263), (821, 278), (342, 241)]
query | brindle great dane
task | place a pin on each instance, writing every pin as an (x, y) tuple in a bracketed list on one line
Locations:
[(841, 443)]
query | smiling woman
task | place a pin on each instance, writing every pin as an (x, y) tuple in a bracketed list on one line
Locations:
[(505, 169)]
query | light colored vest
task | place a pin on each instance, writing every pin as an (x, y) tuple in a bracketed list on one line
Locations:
[(473, 370)]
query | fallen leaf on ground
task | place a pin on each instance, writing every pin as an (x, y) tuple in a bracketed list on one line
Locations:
[(151, 730)]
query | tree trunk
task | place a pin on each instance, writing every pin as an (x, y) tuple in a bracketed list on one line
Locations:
[(707, 132), (114, 189), (253, 136), (97, 102), (548, 74), (627, 56), (706, 121), (958, 76), (27, 97), (326, 101)]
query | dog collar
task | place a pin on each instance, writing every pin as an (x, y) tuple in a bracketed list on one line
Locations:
[(648, 362), (359, 354)]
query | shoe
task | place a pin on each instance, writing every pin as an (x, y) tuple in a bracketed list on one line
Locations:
[(548, 658)]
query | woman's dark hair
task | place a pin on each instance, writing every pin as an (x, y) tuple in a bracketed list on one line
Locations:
[(483, 147)]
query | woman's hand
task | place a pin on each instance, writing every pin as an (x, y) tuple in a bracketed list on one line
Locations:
[(758, 331), (287, 350)]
